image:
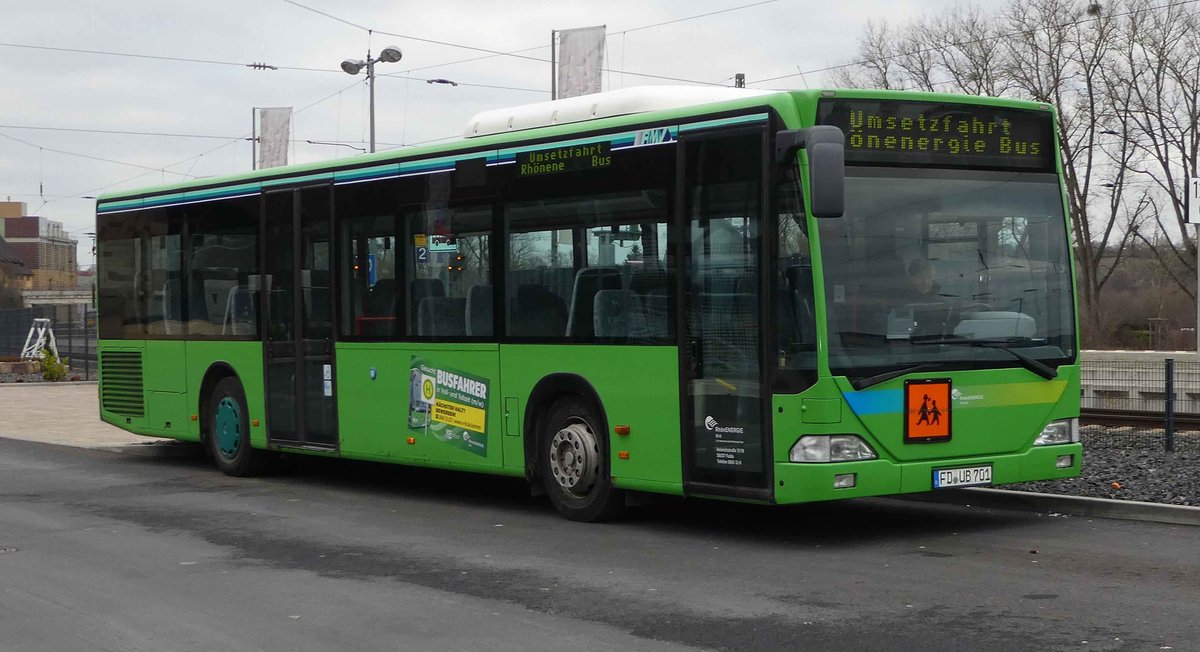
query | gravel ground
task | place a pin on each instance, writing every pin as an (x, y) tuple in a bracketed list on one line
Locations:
[(1116, 466)]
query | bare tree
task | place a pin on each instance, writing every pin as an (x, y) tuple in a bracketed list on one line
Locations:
[(1050, 51), (969, 50), (873, 69), (1158, 60)]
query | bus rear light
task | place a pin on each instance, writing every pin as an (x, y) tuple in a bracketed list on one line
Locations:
[(1063, 431), (845, 480), (831, 448), (1064, 462)]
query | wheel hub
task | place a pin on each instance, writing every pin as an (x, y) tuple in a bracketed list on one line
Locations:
[(227, 427), (575, 458)]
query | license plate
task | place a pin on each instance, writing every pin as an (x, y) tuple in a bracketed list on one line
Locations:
[(970, 476)]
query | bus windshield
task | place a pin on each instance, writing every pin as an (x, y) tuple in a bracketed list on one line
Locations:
[(947, 269)]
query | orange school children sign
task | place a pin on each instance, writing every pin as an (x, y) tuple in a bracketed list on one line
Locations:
[(927, 410)]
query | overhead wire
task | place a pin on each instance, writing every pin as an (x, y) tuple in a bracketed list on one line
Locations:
[(86, 156), (515, 53), (231, 141), (612, 33)]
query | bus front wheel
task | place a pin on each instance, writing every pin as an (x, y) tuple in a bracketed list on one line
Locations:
[(229, 430), (574, 463)]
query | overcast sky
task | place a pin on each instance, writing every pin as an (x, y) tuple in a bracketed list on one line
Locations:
[(72, 90)]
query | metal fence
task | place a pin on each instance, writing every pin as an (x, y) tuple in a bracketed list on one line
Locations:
[(1140, 401), (74, 331)]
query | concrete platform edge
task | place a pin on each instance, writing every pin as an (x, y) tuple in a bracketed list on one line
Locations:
[(1128, 510)]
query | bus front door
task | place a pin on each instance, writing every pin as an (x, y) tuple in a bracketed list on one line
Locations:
[(726, 437), (298, 314)]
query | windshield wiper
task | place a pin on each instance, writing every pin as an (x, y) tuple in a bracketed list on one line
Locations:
[(863, 383), (1033, 364)]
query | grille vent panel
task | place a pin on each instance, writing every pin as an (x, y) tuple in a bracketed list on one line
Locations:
[(121, 383)]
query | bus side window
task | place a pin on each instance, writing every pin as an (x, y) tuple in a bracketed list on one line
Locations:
[(222, 279), (586, 257), (795, 306), (121, 285), (367, 215), (449, 291)]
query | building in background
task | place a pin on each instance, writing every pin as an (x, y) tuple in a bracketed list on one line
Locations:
[(42, 245), (14, 277)]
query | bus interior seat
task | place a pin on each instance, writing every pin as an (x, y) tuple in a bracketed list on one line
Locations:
[(538, 312), (655, 310), (479, 311), (727, 325), (647, 281), (215, 283), (441, 317), (380, 299), (588, 281), (418, 290), (240, 311), (168, 308), (316, 293), (614, 313)]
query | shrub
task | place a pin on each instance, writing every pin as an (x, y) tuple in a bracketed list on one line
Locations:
[(53, 368)]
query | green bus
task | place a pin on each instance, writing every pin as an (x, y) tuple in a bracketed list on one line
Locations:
[(771, 297)]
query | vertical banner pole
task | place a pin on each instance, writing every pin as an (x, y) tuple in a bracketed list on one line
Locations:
[(253, 139)]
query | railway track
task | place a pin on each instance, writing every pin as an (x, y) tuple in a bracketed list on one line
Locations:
[(1119, 418)]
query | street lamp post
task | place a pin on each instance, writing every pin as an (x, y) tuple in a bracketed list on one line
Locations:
[(390, 54)]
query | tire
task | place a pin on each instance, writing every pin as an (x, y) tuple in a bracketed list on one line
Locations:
[(573, 463), (228, 423)]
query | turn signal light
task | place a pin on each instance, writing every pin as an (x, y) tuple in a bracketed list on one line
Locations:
[(255, 422), (195, 417), (621, 430), (623, 454), (412, 440)]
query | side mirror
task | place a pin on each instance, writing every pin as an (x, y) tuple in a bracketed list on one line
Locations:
[(826, 165)]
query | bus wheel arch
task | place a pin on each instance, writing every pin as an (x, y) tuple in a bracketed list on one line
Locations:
[(564, 412)]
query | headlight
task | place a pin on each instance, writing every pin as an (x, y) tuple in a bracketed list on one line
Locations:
[(1063, 431), (831, 448)]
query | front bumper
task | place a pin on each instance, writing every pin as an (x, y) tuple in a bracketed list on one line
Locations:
[(804, 483)]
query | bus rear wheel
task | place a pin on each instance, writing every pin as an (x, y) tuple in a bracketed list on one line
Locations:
[(574, 463), (229, 430)]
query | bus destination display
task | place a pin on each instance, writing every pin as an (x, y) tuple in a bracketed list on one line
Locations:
[(944, 135)]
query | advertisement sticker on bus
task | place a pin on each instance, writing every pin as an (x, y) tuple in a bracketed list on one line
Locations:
[(449, 405)]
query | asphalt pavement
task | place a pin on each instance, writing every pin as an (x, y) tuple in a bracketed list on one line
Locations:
[(104, 551)]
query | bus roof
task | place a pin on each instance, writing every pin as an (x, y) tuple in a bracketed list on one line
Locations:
[(493, 128)]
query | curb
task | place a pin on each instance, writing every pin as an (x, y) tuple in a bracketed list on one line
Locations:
[(45, 383), (1126, 510)]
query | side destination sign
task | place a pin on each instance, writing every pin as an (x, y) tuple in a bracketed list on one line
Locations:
[(890, 132), (564, 159)]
